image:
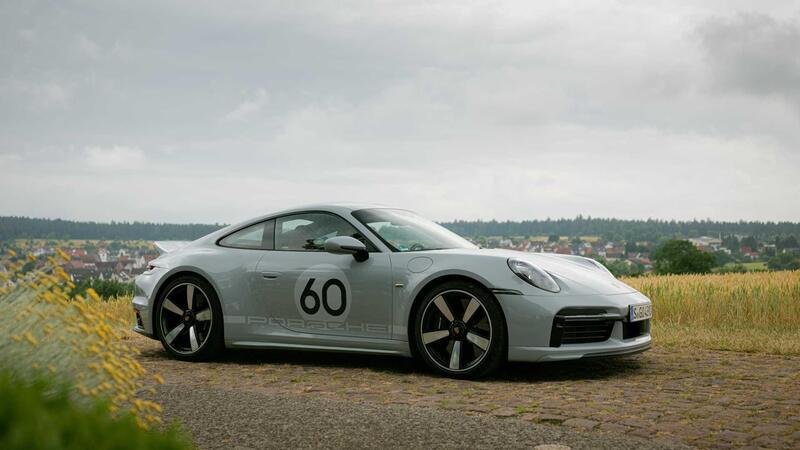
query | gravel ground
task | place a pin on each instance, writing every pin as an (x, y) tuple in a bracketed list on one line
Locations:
[(226, 418), (706, 399)]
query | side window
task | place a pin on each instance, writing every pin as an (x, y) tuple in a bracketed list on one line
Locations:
[(309, 231), (258, 236)]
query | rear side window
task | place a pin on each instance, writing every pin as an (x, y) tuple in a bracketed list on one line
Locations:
[(258, 236)]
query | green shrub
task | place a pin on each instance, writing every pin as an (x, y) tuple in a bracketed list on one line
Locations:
[(40, 415), (105, 288)]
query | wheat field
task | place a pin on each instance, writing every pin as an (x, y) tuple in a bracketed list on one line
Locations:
[(749, 312)]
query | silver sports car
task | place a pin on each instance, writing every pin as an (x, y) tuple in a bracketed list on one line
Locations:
[(368, 279)]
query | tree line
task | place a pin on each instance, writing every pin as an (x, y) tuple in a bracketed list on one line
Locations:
[(620, 229), (31, 228), (12, 227)]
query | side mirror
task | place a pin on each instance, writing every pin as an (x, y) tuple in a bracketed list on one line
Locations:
[(346, 245)]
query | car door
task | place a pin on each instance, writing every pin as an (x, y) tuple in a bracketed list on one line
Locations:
[(308, 290)]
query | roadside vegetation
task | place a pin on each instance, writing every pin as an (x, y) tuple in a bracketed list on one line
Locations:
[(749, 312), (66, 358)]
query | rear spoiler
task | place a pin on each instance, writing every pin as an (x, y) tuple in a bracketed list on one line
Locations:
[(170, 246)]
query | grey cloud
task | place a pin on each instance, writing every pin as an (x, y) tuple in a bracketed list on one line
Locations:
[(463, 109), (754, 53)]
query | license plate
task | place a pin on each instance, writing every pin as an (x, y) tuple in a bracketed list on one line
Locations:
[(640, 312)]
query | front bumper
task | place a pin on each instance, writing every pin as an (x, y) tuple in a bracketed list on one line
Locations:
[(531, 324)]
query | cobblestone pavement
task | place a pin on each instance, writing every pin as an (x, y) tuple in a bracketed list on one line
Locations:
[(707, 399)]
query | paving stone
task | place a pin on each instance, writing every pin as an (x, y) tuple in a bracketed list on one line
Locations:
[(504, 412), (582, 424), (771, 429), (733, 436), (635, 422), (552, 418), (613, 427)]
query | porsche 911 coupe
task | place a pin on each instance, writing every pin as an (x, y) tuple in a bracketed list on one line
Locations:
[(377, 280)]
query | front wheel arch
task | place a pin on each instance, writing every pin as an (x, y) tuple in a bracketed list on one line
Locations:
[(432, 284)]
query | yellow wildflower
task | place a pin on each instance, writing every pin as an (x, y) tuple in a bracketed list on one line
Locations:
[(93, 294), (62, 254)]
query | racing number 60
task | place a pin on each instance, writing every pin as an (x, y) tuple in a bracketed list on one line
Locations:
[(308, 292)]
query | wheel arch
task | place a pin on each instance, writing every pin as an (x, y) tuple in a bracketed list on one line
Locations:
[(177, 273), (431, 284)]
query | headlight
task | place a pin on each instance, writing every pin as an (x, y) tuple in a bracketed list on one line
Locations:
[(533, 275)]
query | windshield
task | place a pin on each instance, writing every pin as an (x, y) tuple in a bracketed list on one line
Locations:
[(404, 231)]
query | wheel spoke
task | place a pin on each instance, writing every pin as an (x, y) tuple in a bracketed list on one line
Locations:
[(203, 315), (172, 307), (455, 355), (193, 339), (471, 308), (442, 305), (174, 333), (479, 341), (433, 336), (189, 295)]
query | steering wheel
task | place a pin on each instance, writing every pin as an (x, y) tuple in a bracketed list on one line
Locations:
[(417, 247)]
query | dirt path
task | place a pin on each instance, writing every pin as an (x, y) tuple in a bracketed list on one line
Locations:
[(700, 398)]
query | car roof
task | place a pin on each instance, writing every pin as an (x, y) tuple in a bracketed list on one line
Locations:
[(342, 209), (336, 207)]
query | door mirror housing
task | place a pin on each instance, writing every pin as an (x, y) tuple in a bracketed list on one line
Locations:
[(346, 245)]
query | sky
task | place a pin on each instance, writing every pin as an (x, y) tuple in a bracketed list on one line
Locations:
[(215, 112)]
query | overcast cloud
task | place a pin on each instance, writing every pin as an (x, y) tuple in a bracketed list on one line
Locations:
[(218, 111)]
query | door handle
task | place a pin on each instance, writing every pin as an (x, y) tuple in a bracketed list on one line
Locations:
[(270, 275)]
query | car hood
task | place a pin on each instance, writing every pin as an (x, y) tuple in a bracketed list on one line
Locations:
[(579, 276)]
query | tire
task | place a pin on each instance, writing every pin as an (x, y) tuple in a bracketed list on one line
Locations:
[(440, 330), (189, 332)]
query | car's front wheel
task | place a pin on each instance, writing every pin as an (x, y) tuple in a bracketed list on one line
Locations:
[(189, 319), (460, 331)]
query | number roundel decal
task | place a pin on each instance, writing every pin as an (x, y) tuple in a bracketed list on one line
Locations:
[(322, 292)]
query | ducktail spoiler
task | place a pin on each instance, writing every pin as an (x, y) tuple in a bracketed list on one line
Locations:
[(170, 246)]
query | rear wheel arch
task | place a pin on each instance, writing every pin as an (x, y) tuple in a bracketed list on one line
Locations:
[(165, 283)]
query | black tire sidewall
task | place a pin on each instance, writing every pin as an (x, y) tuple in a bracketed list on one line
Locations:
[(496, 355), (215, 342)]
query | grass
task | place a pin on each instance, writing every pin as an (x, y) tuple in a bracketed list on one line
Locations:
[(756, 266), (748, 312), (39, 413), (756, 312)]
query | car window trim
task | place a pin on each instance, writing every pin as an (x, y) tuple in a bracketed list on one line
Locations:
[(264, 221), (297, 213), (275, 230)]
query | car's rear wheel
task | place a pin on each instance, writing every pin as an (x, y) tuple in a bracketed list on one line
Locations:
[(460, 331), (189, 319)]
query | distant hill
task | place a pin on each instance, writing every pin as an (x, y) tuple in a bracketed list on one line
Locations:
[(611, 229), (618, 229), (26, 227)]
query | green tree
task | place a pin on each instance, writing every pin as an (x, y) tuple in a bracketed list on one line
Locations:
[(679, 257), (751, 242), (784, 261)]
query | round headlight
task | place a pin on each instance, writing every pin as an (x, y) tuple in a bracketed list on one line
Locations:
[(533, 275)]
